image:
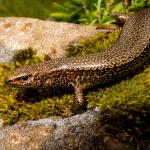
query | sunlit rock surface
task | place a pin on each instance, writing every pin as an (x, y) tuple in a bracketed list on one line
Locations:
[(46, 37)]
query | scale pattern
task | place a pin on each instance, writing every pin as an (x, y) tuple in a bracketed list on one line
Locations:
[(129, 53)]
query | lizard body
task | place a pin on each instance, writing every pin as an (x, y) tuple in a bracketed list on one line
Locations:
[(128, 54)]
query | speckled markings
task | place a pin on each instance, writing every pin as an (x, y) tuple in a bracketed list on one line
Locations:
[(129, 53)]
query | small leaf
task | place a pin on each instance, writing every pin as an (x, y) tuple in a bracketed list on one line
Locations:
[(60, 15), (60, 7)]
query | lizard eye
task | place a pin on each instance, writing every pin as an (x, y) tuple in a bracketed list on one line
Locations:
[(24, 78)]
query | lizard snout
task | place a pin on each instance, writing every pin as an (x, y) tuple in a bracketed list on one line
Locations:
[(7, 81)]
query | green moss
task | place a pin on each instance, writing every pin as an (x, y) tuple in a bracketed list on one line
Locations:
[(124, 105), (92, 45), (25, 57)]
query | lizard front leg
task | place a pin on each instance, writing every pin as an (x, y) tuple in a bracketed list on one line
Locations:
[(79, 102)]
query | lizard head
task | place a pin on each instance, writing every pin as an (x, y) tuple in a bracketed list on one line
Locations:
[(27, 76), (20, 77), (32, 76)]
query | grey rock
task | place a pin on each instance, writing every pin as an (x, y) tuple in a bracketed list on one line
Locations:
[(76, 132)]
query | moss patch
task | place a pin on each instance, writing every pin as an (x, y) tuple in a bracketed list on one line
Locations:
[(125, 106), (95, 44), (26, 57)]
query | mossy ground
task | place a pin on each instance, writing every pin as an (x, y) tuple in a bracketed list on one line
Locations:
[(124, 105)]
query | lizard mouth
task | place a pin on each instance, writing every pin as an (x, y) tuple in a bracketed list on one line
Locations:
[(16, 83), (7, 81), (11, 83), (22, 81)]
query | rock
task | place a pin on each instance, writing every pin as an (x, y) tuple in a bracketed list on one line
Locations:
[(46, 37), (76, 132), (79, 132)]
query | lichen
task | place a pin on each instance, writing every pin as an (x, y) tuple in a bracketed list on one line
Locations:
[(124, 104)]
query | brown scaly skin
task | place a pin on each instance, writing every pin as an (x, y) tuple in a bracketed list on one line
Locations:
[(128, 54)]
